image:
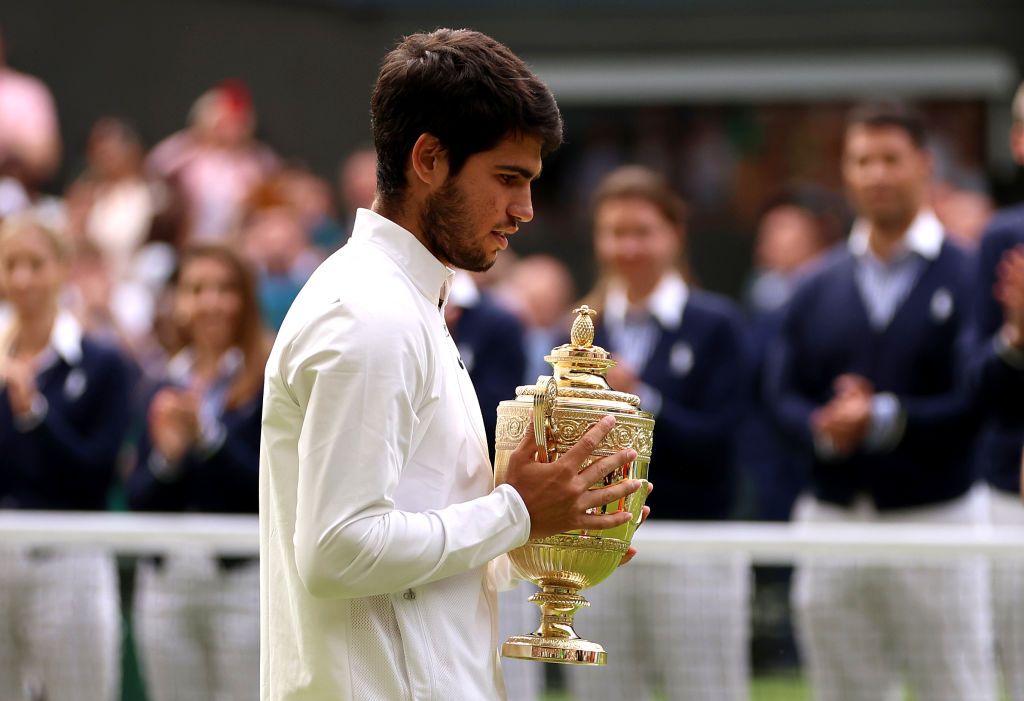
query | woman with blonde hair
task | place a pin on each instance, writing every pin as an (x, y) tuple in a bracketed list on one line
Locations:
[(64, 410), (681, 350), (197, 615)]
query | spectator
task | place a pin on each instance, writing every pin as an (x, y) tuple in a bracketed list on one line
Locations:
[(539, 290), (278, 246), (197, 615), (868, 377), (357, 182), (63, 414), (795, 229), (216, 162), (29, 135), (999, 364), (682, 351), (310, 197)]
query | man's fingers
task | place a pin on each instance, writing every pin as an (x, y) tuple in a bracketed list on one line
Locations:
[(597, 522), (630, 554), (609, 495), (589, 441), (596, 471)]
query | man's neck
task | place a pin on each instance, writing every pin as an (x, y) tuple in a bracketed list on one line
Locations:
[(886, 238), (404, 216)]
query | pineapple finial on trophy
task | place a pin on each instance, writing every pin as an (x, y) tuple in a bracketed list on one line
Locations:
[(582, 333)]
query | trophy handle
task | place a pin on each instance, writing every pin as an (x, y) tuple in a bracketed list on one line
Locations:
[(543, 408)]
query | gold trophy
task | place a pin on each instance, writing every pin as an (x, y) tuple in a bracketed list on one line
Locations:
[(563, 408)]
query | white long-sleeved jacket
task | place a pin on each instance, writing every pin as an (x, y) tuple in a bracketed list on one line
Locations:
[(378, 522)]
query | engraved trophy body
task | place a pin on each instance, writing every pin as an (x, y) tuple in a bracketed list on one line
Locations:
[(563, 407)]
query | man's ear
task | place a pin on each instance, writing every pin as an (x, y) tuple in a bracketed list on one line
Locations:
[(429, 160)]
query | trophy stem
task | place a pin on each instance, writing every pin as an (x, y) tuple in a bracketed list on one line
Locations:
[(555, 640)]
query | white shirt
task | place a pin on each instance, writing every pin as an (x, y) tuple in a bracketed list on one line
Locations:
[(378, 521)]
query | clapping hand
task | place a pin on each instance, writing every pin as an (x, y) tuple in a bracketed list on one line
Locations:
[(845, 420), (174, 422)]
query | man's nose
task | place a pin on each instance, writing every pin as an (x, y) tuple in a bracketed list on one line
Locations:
[(521, 208)]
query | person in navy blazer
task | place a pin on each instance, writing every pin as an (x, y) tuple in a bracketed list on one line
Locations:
[(490, 343), (869, 377), (998, 372), (682, 351), (64, 411), (197, 614)]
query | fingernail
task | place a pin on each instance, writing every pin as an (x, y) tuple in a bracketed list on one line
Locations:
[(608, 421), (631, 454)]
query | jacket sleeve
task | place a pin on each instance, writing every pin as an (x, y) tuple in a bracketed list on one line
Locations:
[(157, 486), (86, 454), (362, 400), (997, 382)]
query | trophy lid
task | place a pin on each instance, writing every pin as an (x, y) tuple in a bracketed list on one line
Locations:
[(580, 367)]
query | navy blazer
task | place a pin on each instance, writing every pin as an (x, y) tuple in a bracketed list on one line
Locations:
[(490, 343), (920, 357), (1000, 386), (69, 460), (224, 481), (701, 370)]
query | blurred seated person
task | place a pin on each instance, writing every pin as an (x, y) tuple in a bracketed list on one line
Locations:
[(64, 410), (216, 162), (29, 134), (357, 182), (540, 291), (277, 244), (197, 614), (682, 350), (310, 197)]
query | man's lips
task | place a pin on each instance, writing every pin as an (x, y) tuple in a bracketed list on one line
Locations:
[(502, 239)]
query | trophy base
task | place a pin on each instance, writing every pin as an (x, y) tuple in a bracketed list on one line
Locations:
[(559, 650)]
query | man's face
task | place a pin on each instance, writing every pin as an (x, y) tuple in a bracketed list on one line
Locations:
[(470, 217), (886, 174)]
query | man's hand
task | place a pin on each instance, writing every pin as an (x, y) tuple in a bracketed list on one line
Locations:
[(845, 420), (558, 494), (1009, 290)]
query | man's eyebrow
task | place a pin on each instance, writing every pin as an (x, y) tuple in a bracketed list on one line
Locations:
[(526, 173)]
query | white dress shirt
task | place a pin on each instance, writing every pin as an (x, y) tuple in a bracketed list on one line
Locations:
[(378, 521)]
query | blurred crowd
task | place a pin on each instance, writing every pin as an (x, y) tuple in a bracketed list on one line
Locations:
[(136, 313)]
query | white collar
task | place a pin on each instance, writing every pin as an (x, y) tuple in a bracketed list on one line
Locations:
[(666, 303), (924, 237), (180, 367), (432, 277)]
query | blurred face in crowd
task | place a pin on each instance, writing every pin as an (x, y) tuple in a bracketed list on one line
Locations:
[(31, 271), (113, 154), (209, 302), (787, 239), (634, 240), (886, 174), (467, 220)]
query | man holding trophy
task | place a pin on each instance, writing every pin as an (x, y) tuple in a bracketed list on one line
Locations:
[(381, 533)]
